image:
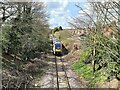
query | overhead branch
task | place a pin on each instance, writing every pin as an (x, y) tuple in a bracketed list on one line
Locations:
[(87, 14)]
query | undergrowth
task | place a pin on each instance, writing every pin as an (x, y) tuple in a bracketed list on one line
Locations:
[(85, 71)]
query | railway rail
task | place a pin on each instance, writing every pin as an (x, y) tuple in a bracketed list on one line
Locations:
[(61, 74)]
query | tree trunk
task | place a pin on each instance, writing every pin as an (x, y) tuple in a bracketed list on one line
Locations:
[(93, 61)]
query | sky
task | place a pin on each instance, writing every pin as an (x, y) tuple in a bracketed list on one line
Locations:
[(61, 12)]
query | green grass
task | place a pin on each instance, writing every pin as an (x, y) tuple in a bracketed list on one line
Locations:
[(63, 35), (85, 71), (57, 35), (66, 38), (84, 54)]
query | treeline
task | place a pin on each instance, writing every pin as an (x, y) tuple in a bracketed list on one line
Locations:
[(24, 42), (24, 29), (101, 42)]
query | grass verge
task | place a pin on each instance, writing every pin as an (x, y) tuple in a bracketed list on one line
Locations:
[(85, 71)]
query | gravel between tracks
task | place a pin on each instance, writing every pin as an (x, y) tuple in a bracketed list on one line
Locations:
[(48, 79)]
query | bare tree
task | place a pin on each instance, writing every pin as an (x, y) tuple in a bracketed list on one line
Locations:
[(102, 18)]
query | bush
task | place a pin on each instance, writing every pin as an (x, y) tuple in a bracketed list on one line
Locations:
[(54, 30)]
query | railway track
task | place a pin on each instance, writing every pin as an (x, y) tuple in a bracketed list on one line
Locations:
[(61, 75)]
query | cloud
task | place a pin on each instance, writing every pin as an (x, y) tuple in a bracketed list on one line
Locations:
[(63, 4), (57, 8), (58, 13), (86, 9), (59, 0), (52, 20), (58, 21)]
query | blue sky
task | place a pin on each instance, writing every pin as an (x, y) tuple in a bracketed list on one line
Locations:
[(61, 12)]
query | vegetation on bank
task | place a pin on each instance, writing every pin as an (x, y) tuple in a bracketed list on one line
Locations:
[(24, 37), (85, 71), (100, 56)]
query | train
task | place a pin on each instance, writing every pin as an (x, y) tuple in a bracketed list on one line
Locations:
[(57, 47)]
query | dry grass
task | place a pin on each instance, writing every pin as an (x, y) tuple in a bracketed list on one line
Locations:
[(15, 73)]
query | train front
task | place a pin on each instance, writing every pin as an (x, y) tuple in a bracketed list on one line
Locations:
[(58, 48)]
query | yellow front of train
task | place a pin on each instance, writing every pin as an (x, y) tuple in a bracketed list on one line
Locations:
[(58, 48)]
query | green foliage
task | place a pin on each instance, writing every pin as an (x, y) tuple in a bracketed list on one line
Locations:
[(84, 55), (56, 29), (63, 35), (82, 69), (103, 50), (5, 40), (57, 35), (27, 35), (60, 28), (85, 71), (101, 44), (106, 59)]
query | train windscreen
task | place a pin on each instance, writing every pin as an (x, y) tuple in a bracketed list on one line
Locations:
[(57, 45)]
